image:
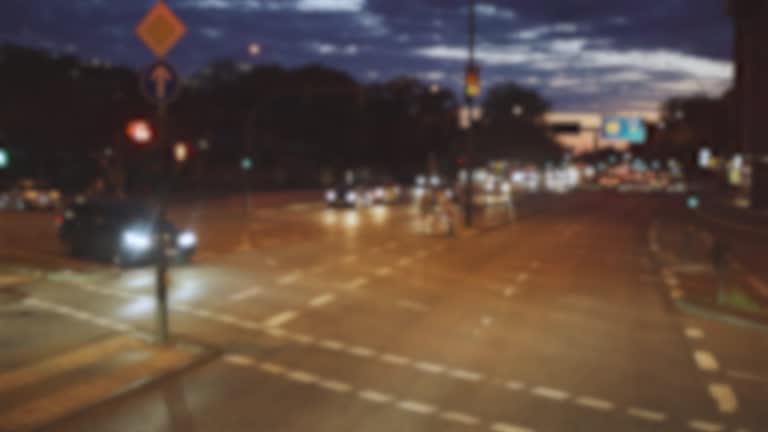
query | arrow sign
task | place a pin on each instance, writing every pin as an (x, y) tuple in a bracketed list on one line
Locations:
[(160, 82)]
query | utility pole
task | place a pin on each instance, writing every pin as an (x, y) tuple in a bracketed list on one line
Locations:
[(471, 88)]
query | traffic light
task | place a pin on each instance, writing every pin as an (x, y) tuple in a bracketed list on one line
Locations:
[(246, 163), (139, 131), (5, 159), (472, 81), (180, 152)]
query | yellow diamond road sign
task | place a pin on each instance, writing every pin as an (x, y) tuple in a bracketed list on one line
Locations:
[(161, 29)]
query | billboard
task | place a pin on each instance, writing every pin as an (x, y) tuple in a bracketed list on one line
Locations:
[(631, 129)]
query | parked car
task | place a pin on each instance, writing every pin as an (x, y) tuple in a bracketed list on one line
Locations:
[(123, 232), (30, 194)]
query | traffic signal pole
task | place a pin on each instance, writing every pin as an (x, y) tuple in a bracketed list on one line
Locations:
[(468, 191), (161, 270)]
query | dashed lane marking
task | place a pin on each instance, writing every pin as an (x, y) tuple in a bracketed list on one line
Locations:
[(595, 403), (337, 386), (514, 385), (705, 360), (272, 368), (302, 377), (332, 345), (725, 398), (705, 426), (76, 314), (322, 300), (395, 359), (355, 284), (288, 279), (417, 407), (242, 295), (694, 333), (360, 351), (459, 417), (648, 415), (432, 368), (550, 393), (280, 319), (505, 427), (374, 396), (466, 375)]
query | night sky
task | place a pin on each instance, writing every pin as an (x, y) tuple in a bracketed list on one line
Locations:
[(592, 55)]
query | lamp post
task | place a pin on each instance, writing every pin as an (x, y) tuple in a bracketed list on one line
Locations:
[(471, 90)]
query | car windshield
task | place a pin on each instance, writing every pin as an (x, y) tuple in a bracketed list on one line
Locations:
[(384, 215)]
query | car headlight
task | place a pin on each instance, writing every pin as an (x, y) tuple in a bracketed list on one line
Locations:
[(351, 196), (186, 239), (418, 192), (379, 193), (506, 188), (30, 195), (137, 241), (330, 195)]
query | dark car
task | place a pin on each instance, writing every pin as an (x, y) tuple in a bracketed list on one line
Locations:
[(347, 195), (124, 232)]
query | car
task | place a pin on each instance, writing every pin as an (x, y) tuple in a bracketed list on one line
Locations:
[(383, 192), (30, 194), (123, 232), (347, 195)]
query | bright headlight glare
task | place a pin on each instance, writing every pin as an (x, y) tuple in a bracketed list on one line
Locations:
[(187, 239), (379, 193), (330, 195), (137, 240), (351, 196)]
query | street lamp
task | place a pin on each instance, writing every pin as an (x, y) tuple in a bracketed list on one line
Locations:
[(254, 49), (139, 131), (517, 110)]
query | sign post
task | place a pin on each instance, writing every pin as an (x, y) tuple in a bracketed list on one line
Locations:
[(161, 30)]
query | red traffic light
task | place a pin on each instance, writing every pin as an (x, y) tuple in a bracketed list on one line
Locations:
[(139, 131)]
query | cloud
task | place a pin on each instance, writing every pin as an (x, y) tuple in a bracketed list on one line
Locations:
[(330, 5)]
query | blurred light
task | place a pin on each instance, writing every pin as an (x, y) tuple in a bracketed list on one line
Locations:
[(202, 144), (434, 88), (379, 193), (254, 49), (379, 214), (54, 195), (108, 152), (518, 176), (421, 180), (139, 131), (506, 188), (329, 217), (693, 202), (434, 181), (187, 239), (180, 152), (351, 219), (5, 159), (589, 171), (30, 194), (463, 176), (351, 197), (489, 186), (479, 175), (517, 110), (136, 240), (679, 114), (737, 161), (140, 306), (330, 195), (246, 164), (705, 155), (418, 192)]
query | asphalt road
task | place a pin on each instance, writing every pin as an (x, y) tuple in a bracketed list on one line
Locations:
[(341, 320)]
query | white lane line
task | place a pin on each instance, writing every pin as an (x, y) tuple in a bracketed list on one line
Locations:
[(289, 278), (404, 261), (361, 351), (705, 426), (522, 277), (281, 318), (302, 377), (300, 338), (242, 295), (725, 397), (747, 376), (466, 375), (332, 345), (76, 314), (395, 359), (416, 407), (272, 368), (705, 360), (349, 259), (514, 385), (459, 417), (649, 415), (432, 368), (322, 300), (383, 271), (374, 396), (355, 284), (412, 305), (694, 333), (505, 427), (238, 360), (595, 403), (550, 393), (337, 386), (271, 262)]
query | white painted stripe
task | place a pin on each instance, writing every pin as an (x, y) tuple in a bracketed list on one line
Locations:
[(376, 397), (302, 377), (705, 426), (514, 385), (242, 295), (505, 427), (648, 415), (705, 360), (356, 283), (289, 278), (466, 375), (430, 367), (238, 360), (280, 319), (459, 417), (694, 333), (383, 271), (275, 332), (331, 344), (725, 398), (337, 386), (361, 351), (272, 368), (300, 338), (595, 403), (322, 300), (416, 407), (550, 393), (395, 359)]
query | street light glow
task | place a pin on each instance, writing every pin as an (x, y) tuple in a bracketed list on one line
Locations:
[(139, 131), (254, 49)]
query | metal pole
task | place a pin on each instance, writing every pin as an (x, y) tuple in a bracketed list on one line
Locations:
[(468, 192), (161, 273)]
